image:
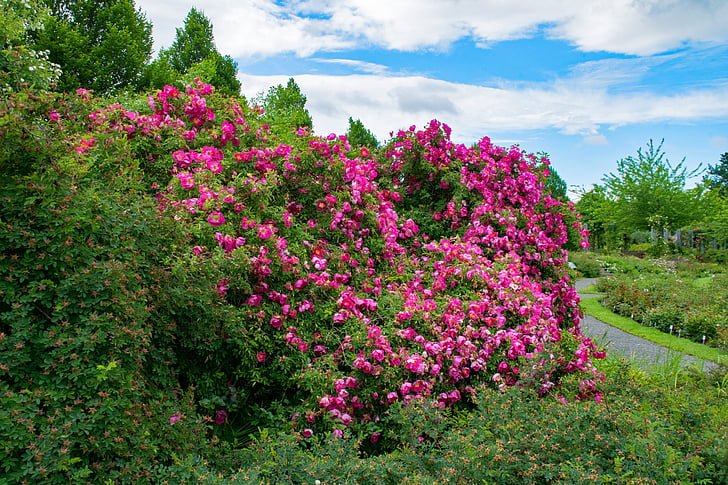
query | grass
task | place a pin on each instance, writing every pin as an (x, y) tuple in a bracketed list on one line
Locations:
[(704, 282), (592, 307)]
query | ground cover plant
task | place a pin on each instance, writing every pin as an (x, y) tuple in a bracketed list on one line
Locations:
[(663, 427)]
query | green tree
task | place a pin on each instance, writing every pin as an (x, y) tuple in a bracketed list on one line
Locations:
[(595, 210), (193, 55), (100, 45), (718, 175), (359, 136), (285, 109), (647, 186), (20, 64), (194, 42)]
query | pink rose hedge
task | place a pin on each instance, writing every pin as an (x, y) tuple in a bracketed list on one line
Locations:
[(352, 279)]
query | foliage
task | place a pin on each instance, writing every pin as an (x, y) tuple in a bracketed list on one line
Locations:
[(672, 304), (99, 45), (645, 430), (359, 136), (586, 264), (193, 43), (594, 207), (554, 183), (21, 65), (193, 55), (284, 109), (718, 175), (649, 186), (87, 377)]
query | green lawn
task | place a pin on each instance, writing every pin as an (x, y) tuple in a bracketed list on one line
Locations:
[(592, 307)]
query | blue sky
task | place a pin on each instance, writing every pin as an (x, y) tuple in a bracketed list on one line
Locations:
[(587, 81)]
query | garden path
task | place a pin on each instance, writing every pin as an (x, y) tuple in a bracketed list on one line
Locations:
[(646, 353)]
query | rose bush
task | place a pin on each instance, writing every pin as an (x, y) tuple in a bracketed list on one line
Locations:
[(321, 283), (362, 278)]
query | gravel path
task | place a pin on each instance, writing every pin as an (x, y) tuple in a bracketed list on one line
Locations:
[(646, 353)]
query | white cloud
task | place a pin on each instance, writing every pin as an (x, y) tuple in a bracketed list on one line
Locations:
[(251, 28), (573, 106), (362, 66), (719, 142), (596, 140)]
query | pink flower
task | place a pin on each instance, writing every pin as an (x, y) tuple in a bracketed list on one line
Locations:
[(261, 356), (264, 231), (174, 418), (220, 416), (216, 219), (307, 433)]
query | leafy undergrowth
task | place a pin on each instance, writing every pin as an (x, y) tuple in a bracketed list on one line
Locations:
[(656, 429)]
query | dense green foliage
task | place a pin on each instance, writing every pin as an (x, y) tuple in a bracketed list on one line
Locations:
[(718, 175), (86, 368), (100, 45), (662, 429), (648, 187), (284, 110), (359, 136), (192, 55), (21, 65)]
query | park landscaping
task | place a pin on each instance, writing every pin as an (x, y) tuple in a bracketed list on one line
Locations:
[(198, 288), (189, 298)]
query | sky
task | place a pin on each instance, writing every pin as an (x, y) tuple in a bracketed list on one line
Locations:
[(587, 81)]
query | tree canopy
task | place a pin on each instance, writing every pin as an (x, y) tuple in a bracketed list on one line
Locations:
[(193, 55), (100, 45), (648, 186), (359, 136), (20, 63), (285, 110), (718, 175)]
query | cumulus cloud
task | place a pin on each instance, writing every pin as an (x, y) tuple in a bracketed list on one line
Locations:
[(250, 28), (572, 106)]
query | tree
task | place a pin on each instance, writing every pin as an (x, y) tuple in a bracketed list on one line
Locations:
[(20, 64), (100, 45), (193, 55), (359, 136), (718, 178), (194, 42), (554, 183), (648, 186), (285, 109)]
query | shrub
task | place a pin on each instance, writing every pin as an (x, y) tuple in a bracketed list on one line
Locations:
[(350, 280), (181, 247), (86, 372), (586, 264)]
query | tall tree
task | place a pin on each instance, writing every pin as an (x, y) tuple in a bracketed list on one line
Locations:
[(101, 45), (193, 54), (20, 64), (285, 109), (718, 175), (359, 136), (647, 186), (194, 42)]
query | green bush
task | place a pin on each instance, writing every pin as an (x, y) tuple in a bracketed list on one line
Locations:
[(586, 264), (643, 431)]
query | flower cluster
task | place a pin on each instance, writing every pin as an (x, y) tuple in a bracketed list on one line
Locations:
[(419, 272)]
